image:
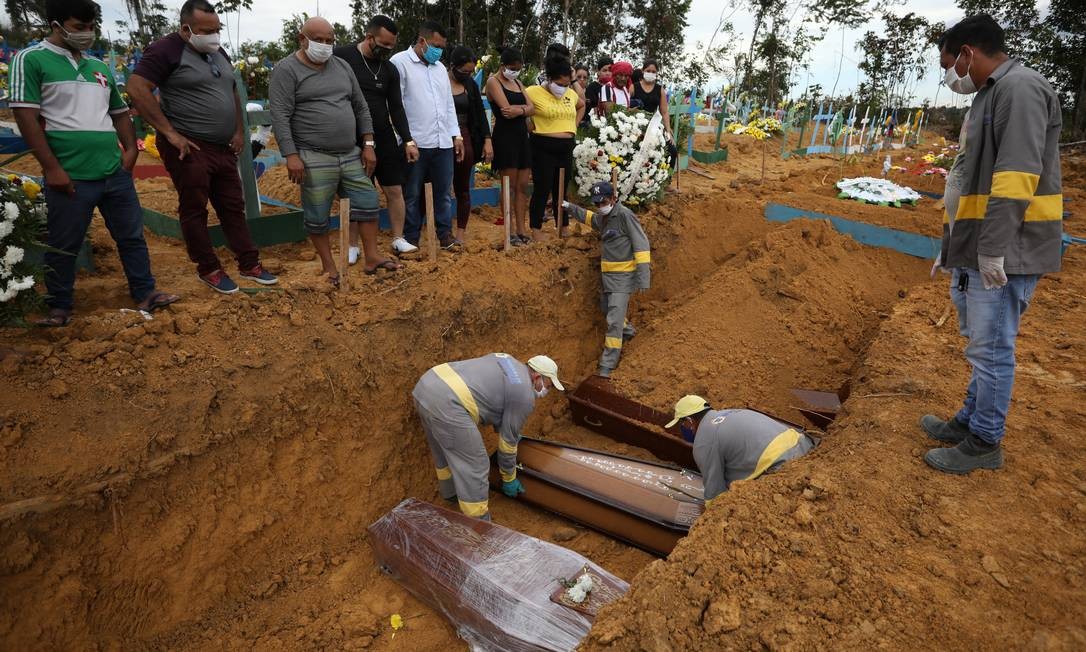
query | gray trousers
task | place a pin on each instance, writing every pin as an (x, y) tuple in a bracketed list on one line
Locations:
[(460, 459), (613, 305)]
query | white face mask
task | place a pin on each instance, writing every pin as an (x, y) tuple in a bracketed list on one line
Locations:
[(605, 210), (77, 40), (511, 75), (963, 85), (206, 43), (558, 90), (650, 77), (318, 52), (540, 393)]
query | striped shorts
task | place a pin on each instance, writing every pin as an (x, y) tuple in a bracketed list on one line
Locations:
[(327, 175)]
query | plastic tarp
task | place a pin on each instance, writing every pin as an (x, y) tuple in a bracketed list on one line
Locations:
[(876, 191), (492, 583)]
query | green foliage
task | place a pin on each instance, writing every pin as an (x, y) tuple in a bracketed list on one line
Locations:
[(894, 59)]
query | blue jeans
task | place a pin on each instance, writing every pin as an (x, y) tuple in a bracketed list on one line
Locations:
[(989, 319), (435, 166), (68, 219)]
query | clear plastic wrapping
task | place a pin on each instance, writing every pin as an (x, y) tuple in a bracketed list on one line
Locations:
[(495, 585)]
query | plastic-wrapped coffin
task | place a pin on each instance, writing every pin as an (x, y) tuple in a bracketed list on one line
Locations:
[(495, 585), (648, 505)]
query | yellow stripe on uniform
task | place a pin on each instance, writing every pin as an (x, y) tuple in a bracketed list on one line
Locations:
[(474, 510), (460, 388), (508, 477), (972, 207), (780, 445), (1045, 208), (1014, 185), (618, 266), (443, 473), (642, 257), (506, 447), (588, 218), (612, 342)]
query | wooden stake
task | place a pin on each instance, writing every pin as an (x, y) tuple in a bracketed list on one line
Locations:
[(507, 213), (344, 241), (431, 228), (561, 198)]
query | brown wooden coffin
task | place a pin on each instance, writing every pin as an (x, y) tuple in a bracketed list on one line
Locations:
[(648, 505), (492, 583), (594, 405)]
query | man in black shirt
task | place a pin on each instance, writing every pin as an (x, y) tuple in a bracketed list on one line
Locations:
[(592, 93), (380, 82)]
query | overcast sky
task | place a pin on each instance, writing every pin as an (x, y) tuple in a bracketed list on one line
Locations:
[(266, 23)]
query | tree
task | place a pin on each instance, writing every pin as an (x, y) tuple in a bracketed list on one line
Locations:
[(1061, 57), (893, 63), (658, 32)]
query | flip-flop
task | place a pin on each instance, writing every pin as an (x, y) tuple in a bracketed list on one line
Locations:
[(334, 280), (387, 265), (158, 299), (57, 318)]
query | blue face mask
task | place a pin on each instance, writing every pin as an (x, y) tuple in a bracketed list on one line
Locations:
[(432, 54), (688, 433)]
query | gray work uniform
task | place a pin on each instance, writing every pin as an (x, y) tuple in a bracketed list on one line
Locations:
[(735, 445), (452, 401), (625, 262)]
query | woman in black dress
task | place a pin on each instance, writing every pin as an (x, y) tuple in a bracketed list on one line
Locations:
[(512, 156), (652, 99), (474, 129)]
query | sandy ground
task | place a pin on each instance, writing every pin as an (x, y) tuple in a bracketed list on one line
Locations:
[(204, 480)]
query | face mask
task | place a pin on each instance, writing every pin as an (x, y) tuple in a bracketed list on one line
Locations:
[(432, 54), (380, 52), (461, 76), (605, 210), (206, 43), (558, 90), (77, 40), (963, 85), (318, 52), (511, 75), (603, 77), (688, 433), (650, 77), (540, 393)]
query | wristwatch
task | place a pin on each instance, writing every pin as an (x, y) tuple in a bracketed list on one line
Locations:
[(369, 143)]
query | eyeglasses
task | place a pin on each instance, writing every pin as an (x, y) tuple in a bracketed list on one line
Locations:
[(214, 67)]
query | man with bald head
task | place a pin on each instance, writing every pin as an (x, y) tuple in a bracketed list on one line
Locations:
[(319, 114)]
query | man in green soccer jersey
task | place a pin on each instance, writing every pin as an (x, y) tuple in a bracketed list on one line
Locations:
[(70, 113)]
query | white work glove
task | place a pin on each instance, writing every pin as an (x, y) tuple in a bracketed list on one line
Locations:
[(991, 271), (565, 205), (937, 265)]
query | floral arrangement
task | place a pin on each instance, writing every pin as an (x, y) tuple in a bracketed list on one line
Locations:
[(3, 79), (577, 590), (757, 128), (629, 142), (487, 170), (22, 225), (255, 75), (876, 191)]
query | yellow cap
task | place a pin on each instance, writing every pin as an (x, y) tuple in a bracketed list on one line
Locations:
[(687, 406)]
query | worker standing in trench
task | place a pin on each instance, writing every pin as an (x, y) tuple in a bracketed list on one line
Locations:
[(624, 265), (740, 444), (454, 399)]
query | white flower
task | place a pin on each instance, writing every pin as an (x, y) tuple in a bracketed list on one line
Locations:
[(12, 257), (252, 61), (6, 228), (11, 211), (576, 594), (585, 582)]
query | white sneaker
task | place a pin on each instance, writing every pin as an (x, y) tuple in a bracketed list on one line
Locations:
[(352, 255), (402, 246)]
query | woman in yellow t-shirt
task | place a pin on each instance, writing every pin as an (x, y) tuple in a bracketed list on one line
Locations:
[(558, 110)]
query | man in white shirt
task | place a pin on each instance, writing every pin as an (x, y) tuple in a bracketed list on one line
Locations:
[(427, 98)]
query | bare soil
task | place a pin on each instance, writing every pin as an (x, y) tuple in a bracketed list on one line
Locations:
[(204, 480)]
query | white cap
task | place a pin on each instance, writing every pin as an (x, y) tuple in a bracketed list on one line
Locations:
[(546, 367)]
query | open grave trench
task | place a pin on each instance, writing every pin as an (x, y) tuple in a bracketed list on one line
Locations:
[(252, 532)]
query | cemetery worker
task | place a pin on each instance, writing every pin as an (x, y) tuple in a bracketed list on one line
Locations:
[(624, 265), (1004, 233), (428, 100), (72, 116), (319, 115), (454, 399), (200, 133), (380, 83), (738, 444)]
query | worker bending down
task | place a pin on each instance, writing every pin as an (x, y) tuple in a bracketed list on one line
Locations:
[(732, 445), (624, 265), (454, 399)]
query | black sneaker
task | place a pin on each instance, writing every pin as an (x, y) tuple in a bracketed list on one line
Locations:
[(449, 243), (971, 454), (951, 431)]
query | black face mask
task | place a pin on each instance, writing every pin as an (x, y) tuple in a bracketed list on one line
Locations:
[(380, 52), (461, 76)]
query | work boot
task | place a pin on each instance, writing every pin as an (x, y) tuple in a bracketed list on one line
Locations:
[(603, 372), (971, 454), (951, 431)]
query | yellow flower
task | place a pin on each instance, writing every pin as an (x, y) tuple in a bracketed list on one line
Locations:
[(150, 147), (396, 621), (31, 189)]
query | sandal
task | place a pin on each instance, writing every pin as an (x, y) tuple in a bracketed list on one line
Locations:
[(158, 299), (58, 317), (334, 280), (387, 265)]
